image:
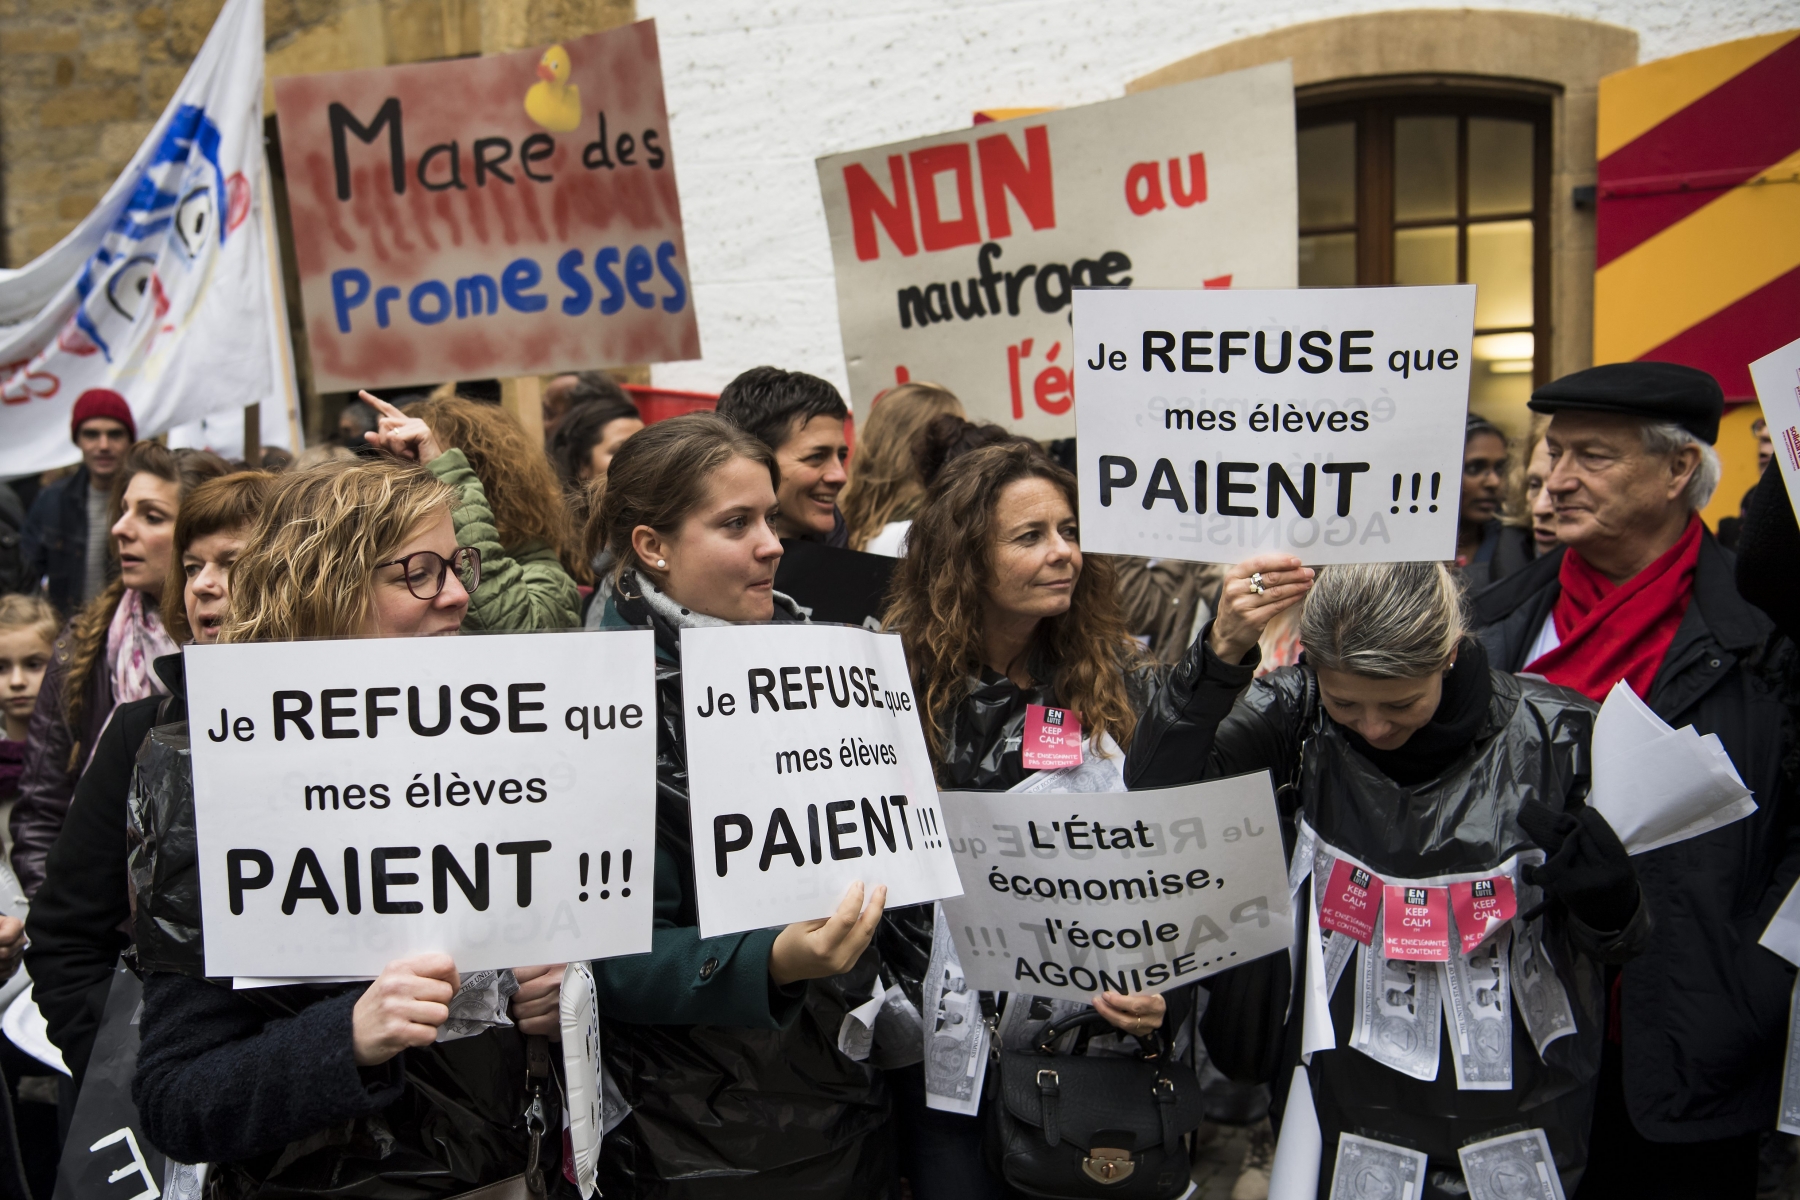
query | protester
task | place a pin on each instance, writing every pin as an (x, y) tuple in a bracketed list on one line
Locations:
[(801, 418), (1165, 602), (998, 610), (1536, 501), (1402, 749), (726, 1047), (309, 1089), (1640, 592), (14, 577), (81, 911), (325, 452), (588, 436), (510, 508), (1487, 548), (949, 437), (565, 393), (103, 657), (28, 627), (1765, 444), (65, 535), (356, 420), (885, 488)]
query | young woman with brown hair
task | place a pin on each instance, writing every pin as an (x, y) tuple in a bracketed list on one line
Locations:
[(103, 657), (511, 507), (999, 611), (885, 489), (725, 1047)]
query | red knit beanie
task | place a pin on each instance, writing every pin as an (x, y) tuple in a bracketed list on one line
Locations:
[(102, 402)]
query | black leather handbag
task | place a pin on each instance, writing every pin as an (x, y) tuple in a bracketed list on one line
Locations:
[(1078, 1126)]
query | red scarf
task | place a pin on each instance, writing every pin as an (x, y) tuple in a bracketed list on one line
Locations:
[(1612, 632)]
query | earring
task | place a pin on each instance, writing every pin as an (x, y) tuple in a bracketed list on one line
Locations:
[(662, 564)]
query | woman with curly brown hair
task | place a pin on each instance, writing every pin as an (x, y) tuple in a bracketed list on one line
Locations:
[(103, 657), (511, 508), (1002, 619)]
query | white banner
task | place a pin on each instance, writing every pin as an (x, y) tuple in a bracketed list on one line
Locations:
[(1067, 895), (491, 797), (164, 292), (956, 255), (1325, 422), (807, 771), (1777, 379)]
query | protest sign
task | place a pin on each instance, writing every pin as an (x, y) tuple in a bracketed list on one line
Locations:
[(489, 797), (1325, 422), (807, 771), (106, 1152), (530, 226), (1777, 379), (1066, 895), (956, 255)]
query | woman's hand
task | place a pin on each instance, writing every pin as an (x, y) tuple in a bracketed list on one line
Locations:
[(1136, 1014), (403, 1007), (821, 949), (537, 1005), (400, 435), (12, 945), (1244, 612)]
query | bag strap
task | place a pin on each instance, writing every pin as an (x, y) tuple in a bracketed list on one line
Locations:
[(1151, 1044), (1049, 1096)]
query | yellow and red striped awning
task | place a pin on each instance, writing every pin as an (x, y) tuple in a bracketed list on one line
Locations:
[(1698, 207)]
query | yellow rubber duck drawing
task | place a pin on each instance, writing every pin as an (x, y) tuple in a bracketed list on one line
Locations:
[(554, 103)]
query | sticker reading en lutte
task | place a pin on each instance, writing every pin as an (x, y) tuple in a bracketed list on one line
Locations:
[(1481, 906), (1416, 923), (1052, 738), (1352, 896)]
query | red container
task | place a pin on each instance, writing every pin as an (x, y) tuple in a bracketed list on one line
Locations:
[(659, 404)]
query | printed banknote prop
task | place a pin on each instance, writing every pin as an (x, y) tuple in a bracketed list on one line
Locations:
[(956, 1037), (1397, 1007), (357, 801), (164, 292), (807, 772), (957, 255), (1065, 895), (1655, 785), (1789, 1121), (1517, 1166), (1370, 1170), (1536, 988), (531, 226), (1777, 379), (1327, 423), (480, 1004), (1478, 990)]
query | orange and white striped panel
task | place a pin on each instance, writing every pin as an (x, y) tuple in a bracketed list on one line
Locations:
[(1698, 209)]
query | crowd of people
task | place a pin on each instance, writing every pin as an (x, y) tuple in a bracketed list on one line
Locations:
[(1425, 720)]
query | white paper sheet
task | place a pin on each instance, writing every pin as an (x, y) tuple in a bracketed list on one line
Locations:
[(1655, 785), (1295, 1173), (1783, 934)]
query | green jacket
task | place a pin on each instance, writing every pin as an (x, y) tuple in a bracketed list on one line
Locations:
[(522, 589)]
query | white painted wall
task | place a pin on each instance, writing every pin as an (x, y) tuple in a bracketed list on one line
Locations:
[(757, 91)]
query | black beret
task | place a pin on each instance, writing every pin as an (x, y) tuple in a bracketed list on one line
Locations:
[(1655, 391)]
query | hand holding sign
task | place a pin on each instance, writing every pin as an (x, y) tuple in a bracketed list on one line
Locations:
[(1255, 592), (537, 1006), (821, 949), (403, 1007), (1137, 1013)]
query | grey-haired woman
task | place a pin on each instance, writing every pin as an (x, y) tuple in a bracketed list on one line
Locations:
[(1414, 782)]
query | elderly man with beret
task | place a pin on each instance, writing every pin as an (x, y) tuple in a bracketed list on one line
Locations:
[(1639, 591)]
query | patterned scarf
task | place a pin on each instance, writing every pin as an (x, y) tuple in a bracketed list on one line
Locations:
[(134, 640)]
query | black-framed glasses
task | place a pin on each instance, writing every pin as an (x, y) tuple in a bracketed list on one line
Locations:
[(426, 570)]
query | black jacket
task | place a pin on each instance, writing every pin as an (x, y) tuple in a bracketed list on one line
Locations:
[(80, 918), (736, 1085), (1704, 1009), (55, 541)]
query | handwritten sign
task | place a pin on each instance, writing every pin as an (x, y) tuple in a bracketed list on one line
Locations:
[(489, 797), (1324, 422), (807, 771), (957, 256), (1069, 894), (496, 216)]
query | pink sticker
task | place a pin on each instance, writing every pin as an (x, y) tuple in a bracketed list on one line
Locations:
[(1416, 923), (1481, 907), (1348, 905), (1052, 738)]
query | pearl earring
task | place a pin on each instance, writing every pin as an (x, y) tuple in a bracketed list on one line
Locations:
[(662, 564)]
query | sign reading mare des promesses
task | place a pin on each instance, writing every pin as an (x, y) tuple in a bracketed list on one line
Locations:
[(1325, 422), (490, 797)]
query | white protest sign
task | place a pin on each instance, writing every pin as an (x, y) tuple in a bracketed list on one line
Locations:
[(1067, 895), (807, 771), (1325, 422), (493, 798), (1777, 379), (956, 255)]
